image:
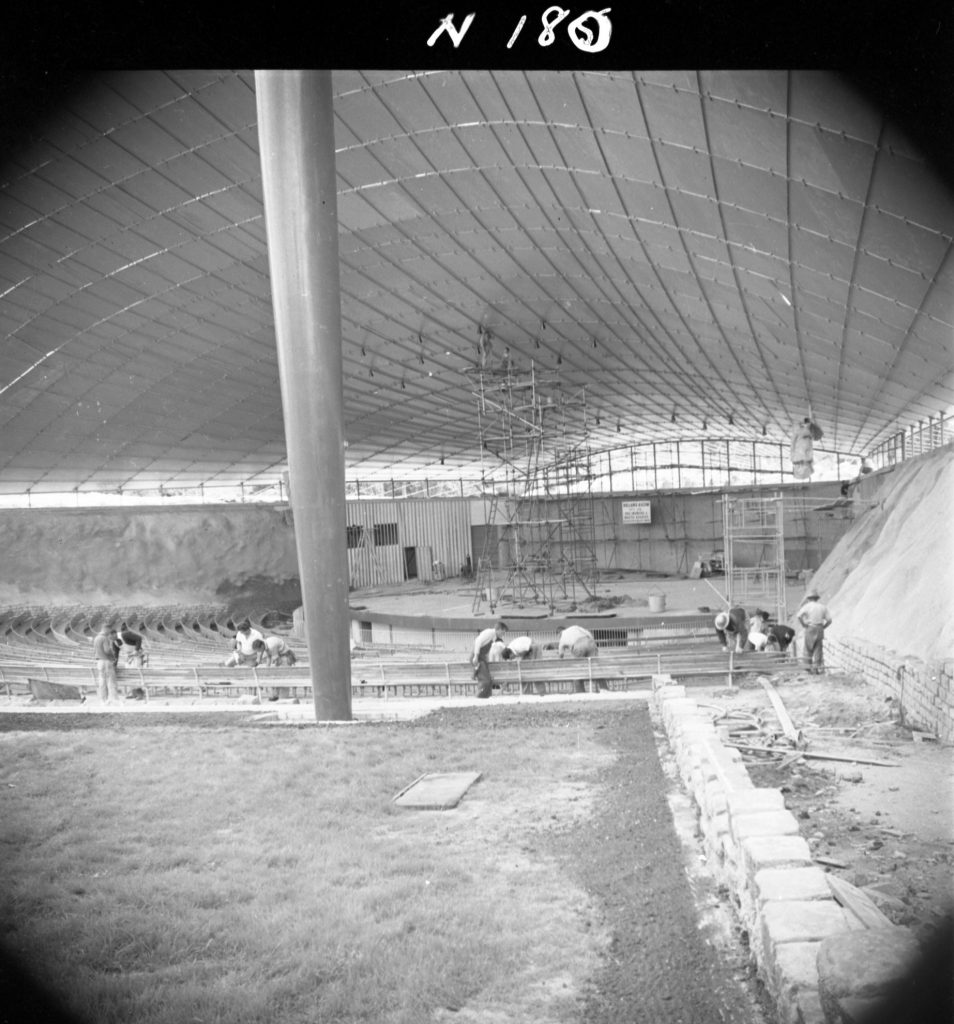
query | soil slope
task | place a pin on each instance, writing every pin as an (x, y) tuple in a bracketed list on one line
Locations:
[(888, 580)]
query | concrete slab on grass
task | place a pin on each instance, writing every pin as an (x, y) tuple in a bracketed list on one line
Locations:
[(437, 791)]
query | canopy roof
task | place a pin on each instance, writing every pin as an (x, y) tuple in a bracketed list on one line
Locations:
[(721, 250)]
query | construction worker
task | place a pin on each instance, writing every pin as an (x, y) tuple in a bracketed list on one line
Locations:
[(814, 618), (130, 643), (732, 627), (577, 642), (105, 655), (273, 651), (779, 637), (243, 650), (481, 655), (521, 648)]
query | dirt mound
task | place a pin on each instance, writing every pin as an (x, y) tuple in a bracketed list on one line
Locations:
[(887, 581)]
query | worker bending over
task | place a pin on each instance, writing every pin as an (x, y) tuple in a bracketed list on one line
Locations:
[(779, 637), (732, 628), (273, 651), (577, 642), (521, 648), (481, 655), (130, 644)]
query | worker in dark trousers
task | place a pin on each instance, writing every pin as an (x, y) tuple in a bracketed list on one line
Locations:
[(732, 628), (485, 639), (814, 618)]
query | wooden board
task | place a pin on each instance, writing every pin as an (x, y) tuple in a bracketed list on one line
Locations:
[(437, 791), (859, 904)]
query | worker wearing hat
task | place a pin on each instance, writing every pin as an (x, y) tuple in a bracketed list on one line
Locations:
[(814, 618), (732, 627)]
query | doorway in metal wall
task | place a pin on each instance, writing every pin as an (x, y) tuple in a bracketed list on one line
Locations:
[(410, 563)]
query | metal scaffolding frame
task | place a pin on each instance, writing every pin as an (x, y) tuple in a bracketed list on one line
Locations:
[(753, 532), (540, 481)]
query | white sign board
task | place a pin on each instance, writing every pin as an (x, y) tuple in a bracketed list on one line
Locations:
[(637, 512)]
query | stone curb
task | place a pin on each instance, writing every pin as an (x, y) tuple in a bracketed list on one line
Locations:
[(754, 848)]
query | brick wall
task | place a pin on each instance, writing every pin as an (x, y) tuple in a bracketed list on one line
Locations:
[(925, 691)]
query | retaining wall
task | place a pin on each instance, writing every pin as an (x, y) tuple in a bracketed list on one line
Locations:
[(754, 848), (925, 691)]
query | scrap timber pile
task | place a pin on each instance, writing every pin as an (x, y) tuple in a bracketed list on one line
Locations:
[(776, 739), (873, 796)]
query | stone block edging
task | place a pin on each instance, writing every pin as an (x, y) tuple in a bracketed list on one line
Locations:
[(754, 848)]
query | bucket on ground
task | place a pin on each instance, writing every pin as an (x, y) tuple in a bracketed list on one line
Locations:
[(657, 602)]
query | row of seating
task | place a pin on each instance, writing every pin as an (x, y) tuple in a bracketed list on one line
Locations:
[(171, 636), (384, 677)]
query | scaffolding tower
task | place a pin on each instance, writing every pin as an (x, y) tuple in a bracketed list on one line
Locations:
[(754, 539), (537, 485)]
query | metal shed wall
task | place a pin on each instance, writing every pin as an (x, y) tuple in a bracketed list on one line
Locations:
[(438, 530)]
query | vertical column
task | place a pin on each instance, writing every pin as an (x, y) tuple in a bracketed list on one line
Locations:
[(296, 141)]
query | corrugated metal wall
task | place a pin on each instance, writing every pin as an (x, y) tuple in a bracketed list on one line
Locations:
[(438, 530), (684, 527)]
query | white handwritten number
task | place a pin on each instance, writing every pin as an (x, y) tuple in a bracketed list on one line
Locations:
[(582, 36), (447, 25), (517, 31), (547, 36), (590, 32)]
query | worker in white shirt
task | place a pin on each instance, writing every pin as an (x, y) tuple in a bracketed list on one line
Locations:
[(814, 618), (481, 655), (577, 642), (243, 649), (521, 648), (758, 631), (496, 652)]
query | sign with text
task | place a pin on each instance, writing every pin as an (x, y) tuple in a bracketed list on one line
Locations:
[(637, 512)]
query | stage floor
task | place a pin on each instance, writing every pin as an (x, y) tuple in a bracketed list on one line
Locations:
[(619, 594)]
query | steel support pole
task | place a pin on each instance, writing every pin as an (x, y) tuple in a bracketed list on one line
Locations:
[(299, 185)]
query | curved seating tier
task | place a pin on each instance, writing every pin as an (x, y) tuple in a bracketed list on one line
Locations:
[(171, 636)]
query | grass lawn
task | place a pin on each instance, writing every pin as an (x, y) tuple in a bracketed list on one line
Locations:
[(213, 869)]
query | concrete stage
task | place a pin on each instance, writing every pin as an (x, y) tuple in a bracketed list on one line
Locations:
[(623, 599)]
